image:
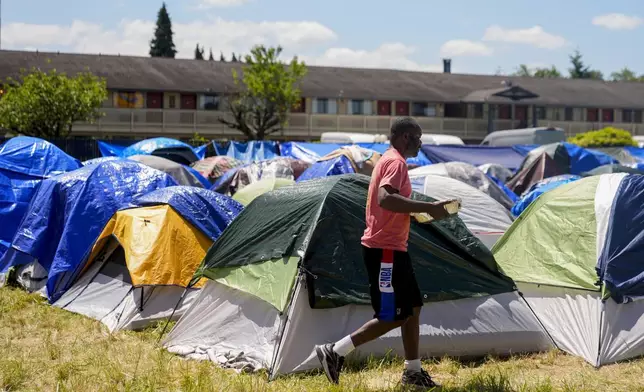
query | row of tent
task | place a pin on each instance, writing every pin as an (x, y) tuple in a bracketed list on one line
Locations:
[(260, 272)]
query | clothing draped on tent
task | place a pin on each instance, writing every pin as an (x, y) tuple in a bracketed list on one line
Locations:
[(179, 172), (214, 167), (24, 163), (68, 213)]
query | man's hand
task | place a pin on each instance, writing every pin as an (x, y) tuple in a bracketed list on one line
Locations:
[(437, 210)]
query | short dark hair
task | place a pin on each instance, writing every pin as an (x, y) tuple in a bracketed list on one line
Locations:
[(403, 125)]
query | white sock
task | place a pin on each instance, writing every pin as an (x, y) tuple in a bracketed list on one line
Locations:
[(344, 346), (413, 365)]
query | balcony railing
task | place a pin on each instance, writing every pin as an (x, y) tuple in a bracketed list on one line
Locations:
[(140, 122)]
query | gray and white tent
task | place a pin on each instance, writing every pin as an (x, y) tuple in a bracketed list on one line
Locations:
[(180, 173)]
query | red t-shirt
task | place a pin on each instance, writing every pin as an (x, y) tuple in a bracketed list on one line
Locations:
[(387, 229)]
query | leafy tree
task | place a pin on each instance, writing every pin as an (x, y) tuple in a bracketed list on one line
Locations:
[(197, 139), (211, 57), (162, 45), (626, 75), (199, 53), (525, 71), (267, 92), (47, 105), (581, 71), (606, 137), (234, 58)]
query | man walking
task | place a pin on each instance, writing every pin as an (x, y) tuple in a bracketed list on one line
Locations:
[(395, 295)]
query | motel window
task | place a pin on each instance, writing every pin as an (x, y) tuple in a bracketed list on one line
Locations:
[(569, 114), (423, 109), (456, 110), (478, 110), (356, 106), (504, 112), (631, 116), (210, 102), (541, 112), (608, 115), (592, 115), (324, 106), (172, 102)]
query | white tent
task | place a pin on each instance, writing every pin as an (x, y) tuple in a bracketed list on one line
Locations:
[(236, 329), (483, 216)]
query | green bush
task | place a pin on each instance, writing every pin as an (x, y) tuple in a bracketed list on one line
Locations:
[(606, 137)]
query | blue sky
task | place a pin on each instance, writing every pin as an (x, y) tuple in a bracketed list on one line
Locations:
[(479, 36)]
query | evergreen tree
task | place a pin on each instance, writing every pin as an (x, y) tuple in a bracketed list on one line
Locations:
[(222, 58), (199, 53), (211, 57), (162, 44), (581, 71), (233, 59)]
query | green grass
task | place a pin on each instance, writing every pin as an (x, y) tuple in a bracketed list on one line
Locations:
[(48, 349)]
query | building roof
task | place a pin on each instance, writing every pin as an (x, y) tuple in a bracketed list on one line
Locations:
[(198, 76)]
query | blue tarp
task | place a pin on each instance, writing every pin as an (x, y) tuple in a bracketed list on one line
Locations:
[(620, 264), (540, 188), (208, 211), (252, 151), (24, 163), (307, 152), (35, 157), (513, 196), (331, 167), (419, 160), (110, 150), (203, 180), (584, 160), (96, 161), (636, 152), (147, 147), (475, 155), (68, 213), (524, 149)]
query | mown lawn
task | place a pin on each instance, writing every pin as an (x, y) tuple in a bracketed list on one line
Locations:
[(48, 349)]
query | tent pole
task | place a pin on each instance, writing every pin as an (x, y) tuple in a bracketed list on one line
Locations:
[(537, 318), (173, 312)]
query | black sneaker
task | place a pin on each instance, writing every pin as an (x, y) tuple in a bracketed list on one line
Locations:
[(331, 362), (418, 379)]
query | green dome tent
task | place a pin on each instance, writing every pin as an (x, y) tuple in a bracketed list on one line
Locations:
[(288, 273)]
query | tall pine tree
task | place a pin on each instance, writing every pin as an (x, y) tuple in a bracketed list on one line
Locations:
[(222, 58), (162, 44), (199, 52), (234, 58), (211, 57)]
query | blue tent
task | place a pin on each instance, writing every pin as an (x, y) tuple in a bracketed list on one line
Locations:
[(331, 167), (24, 162), (540, 188), (172, 149), (208, 211), (507, 157), (307, 152), (252, 151), (68, 213)]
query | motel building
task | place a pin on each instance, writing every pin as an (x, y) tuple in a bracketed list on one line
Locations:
[(178, 97)]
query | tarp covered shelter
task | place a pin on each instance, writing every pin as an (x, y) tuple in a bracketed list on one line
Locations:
[(576, 254), (237, 178), (67, 215), (484, 217), (468, 174), (164, 147), (625, 155), (145, 257), (615, 168), (497, 171), (345, 160), (252, 151), (307, 152), (214, 167), (540, 188), (24, 163), (179, 172), (96, 161), (288, 274)]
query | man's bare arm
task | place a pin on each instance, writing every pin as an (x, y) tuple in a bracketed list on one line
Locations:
[(389, 199)]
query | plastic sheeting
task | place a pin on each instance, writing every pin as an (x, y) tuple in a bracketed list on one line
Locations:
[(322, 221), (179, 172), (251, 192), (620, 263), (332, 167), (497, 171), (35, 157), (307, 152), (468, 174), (172, 149), (237, 178), (252, 151), (507, 157), (572, 158), (96, 161), (215, 167), (209, 211), (110, 150), (540, 188), (68, 213), (202, 180), (607, 169)]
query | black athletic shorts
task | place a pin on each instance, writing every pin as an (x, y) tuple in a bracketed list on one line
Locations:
[(392, 284)]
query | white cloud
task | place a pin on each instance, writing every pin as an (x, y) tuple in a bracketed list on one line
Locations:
[(463, 47), (388, 55), (221, 3), (132, 37), (618, 21), (534, 36)]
